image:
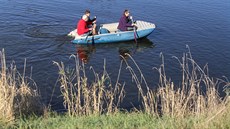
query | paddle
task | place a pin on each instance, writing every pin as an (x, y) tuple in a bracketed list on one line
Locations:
[(90, 32), (134, 30)]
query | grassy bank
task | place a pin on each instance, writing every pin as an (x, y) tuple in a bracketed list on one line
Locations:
[(126, 120), (193, 103)]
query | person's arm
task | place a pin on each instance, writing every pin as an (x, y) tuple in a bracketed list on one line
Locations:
[(128, 22), (89, 22), (86, 29)]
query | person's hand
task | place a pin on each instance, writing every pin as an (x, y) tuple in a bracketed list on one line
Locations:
[(131, 17), (94, 26), (133, 24), (90, 28)]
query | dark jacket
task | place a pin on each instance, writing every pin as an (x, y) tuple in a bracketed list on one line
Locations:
[(124, 23), (90, 21)]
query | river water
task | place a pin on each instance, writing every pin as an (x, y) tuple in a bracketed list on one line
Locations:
[(36, 31)]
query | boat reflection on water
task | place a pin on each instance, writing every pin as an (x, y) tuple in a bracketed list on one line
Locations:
[(131, 48), (84, 52)]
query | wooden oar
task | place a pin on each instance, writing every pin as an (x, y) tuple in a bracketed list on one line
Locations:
[(134, 30), (135, 34), (90, 32)]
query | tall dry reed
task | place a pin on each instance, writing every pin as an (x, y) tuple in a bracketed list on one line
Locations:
[(82, 98), (16, 97), (196, 94)]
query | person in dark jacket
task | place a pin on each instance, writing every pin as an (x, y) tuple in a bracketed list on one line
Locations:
[(125, 23), (90, 21)]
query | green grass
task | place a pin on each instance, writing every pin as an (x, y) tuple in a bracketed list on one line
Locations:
[(118, 120), (122, 120), (115, 121)]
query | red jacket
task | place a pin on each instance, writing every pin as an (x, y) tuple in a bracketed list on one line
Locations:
[(82, 27)]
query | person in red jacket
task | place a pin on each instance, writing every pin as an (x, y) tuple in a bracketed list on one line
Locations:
[(82, 26)]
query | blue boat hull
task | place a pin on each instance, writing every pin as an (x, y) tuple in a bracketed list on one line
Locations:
[(117, 36)]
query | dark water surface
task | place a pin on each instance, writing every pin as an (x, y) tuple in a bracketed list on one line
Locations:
[(36, 30)]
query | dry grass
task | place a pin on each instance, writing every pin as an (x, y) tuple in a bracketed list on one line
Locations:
[(16, 97), (82, 98), (195, 95), (192, 103)]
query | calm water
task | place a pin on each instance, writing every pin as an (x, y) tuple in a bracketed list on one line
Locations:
[(36, 30)]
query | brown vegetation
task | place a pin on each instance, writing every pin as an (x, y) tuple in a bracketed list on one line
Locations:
[(196, 95), (82, 98), (16, 97)]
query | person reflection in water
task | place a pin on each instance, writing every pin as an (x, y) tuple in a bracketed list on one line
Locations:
[(124, 53), (84, 52)]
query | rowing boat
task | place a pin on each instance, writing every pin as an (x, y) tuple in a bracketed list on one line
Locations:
[(108, 33)]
